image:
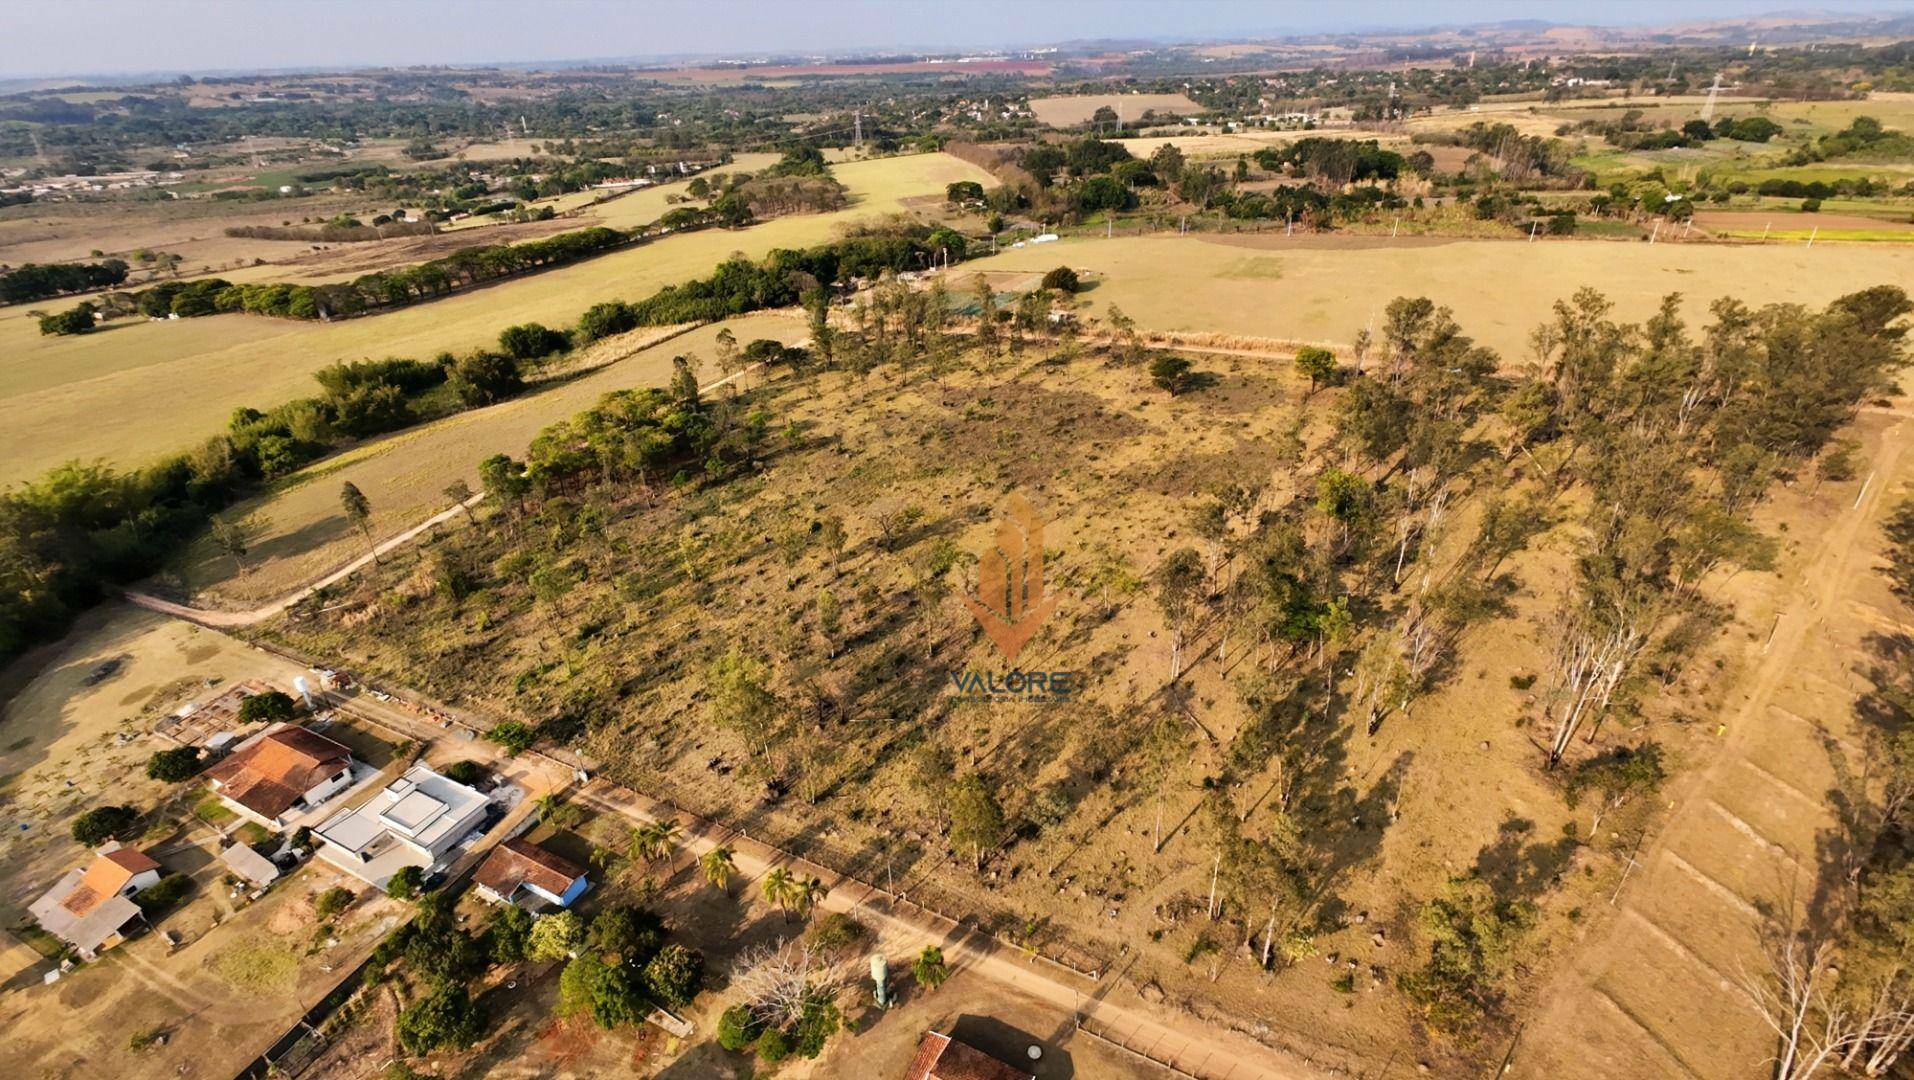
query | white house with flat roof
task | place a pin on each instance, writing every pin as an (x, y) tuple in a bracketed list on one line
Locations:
[(416, 821)]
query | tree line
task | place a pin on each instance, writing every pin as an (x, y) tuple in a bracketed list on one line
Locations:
[(368, 293), (37, 281)]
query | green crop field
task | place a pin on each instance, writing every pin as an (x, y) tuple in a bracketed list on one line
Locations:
[(404, 475), (1327, 289), (133, 392)]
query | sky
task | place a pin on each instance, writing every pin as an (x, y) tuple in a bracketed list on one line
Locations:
[(76, 37)]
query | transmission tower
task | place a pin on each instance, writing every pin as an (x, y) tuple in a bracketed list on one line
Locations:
[(1708, 108)]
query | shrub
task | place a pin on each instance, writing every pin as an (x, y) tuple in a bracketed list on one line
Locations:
[(103, 823), (405, 884), (1062, 279), (77, 321), (174, 765), (331, 902), (738, 1029), (514, 735), (773, 1047), (529, 341), (605, 320), (486, 378), (464, 772)]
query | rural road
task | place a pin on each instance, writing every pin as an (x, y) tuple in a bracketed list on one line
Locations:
[(1187, 1046), (1182, 1046)]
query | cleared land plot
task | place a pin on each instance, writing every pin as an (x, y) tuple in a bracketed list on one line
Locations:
[(104, 395), (1326, 289), (1068, 109), (1797, 226), (405, 475)]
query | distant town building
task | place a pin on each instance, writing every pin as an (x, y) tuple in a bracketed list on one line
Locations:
[(523, 873), (90, 907)]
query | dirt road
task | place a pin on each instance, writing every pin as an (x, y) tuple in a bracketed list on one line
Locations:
[(1659, 990), (1187, 1046)]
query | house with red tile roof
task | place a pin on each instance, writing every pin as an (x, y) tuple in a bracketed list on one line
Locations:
[(91, 906), (940, 1057), (521, 872), (281, 774)]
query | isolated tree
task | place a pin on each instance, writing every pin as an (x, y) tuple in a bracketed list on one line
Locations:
[(1125, 329), (1171, 373), (830, 620), (806, 894), (358, 513), (460, 493), (1315, 364), (270, 707), (672, 976), (405, 883), (740, 697), (718, 865), (626, 931), (830, 533), (976, 818), (505, 482), (1615, 777), (235, 536), (929, 968), (1179, 582), (654, 841), (103, 823), (609, 993), (173, 765), (684, 379)]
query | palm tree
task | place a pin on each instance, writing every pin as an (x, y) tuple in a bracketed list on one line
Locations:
[(808, 894), (718, 866), (780, 888), (651, 842)]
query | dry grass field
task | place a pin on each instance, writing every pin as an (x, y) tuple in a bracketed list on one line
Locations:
[(405, 474), (1328, 288), (1068, 109), (1111, 463), (140, 389)]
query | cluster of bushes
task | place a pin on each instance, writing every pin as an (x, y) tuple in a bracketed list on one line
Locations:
[(623, 965), (370, 292), (1337, 161), (1864, 136), (37, 281)]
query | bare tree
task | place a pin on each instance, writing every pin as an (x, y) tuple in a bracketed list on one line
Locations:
[(1795, 997), (781, 980)]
